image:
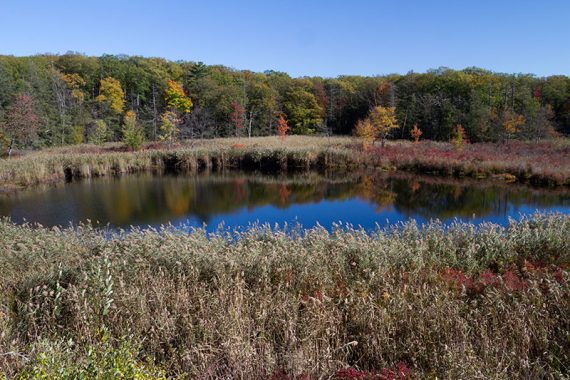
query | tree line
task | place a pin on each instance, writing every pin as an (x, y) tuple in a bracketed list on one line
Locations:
[(48, 100)]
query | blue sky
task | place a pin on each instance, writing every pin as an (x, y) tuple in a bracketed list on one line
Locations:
[(311, 37)]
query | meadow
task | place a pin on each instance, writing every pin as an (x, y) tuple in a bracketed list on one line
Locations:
[(542, 163)]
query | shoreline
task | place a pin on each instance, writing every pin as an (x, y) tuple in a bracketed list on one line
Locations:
[(297, 154)]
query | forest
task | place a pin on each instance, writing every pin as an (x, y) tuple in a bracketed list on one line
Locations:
[(52, 100)]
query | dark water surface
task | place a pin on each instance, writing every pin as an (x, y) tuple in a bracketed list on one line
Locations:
[(240, 199)]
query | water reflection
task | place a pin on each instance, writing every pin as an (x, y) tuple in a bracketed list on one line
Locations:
[(240, 199)]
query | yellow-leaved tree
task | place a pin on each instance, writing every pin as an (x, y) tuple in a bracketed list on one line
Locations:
[(175, 97), (378, 124), (384, 120), (111, 94), (365, 130)]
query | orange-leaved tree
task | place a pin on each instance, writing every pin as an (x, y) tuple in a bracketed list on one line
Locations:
[(282, 127), (416, 133)]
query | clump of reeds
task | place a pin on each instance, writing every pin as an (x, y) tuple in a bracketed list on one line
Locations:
[(452, 302), (546, 163)]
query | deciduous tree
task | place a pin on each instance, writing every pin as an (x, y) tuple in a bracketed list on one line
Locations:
[(237, 117), (133, 134), (384, 120), (176, 98), (111, 94), (169, 127), (22, 122), (366, 132), (302, 109), (512, 123), (416, 133), (101, 133), (458, 139), (282, 127)]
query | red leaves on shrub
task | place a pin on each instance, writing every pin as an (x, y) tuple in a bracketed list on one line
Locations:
[(351, 373), (514, 282), (477, 284), (398, 372)]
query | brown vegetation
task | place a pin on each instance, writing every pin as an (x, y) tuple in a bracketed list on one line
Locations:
[(457, 303)]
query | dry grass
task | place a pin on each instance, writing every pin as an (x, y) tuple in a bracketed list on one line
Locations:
[(463, 302), (540, 163)]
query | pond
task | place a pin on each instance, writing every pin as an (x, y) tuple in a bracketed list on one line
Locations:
[(238, 199)]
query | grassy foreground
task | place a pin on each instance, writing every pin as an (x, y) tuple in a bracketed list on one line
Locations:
[(409, 302), (544, 163)]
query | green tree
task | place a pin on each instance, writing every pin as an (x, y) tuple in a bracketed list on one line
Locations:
[(77, 135), (101, 133), (133, 134), (302, 109)]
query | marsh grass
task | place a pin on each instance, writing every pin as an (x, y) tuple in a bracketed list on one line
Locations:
[(541, 163), (454, 302)]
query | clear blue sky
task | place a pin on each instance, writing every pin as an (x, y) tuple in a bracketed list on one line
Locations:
[(310, 37)]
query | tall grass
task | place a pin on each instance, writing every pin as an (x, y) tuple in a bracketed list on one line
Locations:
[(542, 163), (454, 302)]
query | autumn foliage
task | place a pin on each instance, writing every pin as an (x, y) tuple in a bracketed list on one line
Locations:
[(282, 127), (365, 130), (380, 121), (175, 97), (416, 133), (237, 116), (111, 94)]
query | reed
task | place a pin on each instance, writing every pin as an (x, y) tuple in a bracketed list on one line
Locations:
[(405, 302), (545, 163)]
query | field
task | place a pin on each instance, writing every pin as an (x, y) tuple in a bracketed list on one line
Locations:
[(407, 302), (542, 163)]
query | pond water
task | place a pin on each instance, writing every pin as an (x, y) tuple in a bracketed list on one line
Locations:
[(237, 200)]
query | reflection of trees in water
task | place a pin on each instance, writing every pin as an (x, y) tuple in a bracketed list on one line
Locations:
[(441, 200), (147, 199), (377, 191), (178, 198), (283, 193)]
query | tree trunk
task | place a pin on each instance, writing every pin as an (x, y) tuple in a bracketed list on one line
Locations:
[(249, 125), (10, 148), (154, 112)]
